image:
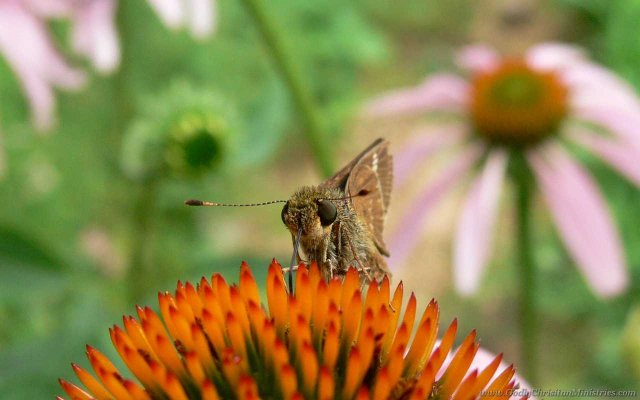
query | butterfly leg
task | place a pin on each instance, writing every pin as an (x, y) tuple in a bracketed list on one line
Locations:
[(292, 268), (295, 259), (338, 249)]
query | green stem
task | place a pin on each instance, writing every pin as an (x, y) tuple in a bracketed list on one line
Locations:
[(124, 108), (138, 271), (528, 281), (302, 99)]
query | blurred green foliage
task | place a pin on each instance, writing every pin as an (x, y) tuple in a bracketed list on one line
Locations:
[(87, 176)]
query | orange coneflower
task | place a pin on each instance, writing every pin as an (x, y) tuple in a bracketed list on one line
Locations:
[(328, 340)]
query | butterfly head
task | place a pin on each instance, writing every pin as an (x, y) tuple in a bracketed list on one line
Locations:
[(311, 211)]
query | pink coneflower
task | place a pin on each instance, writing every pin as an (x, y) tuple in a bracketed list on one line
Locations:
[(94, 33), (26, 44), (521, 113)]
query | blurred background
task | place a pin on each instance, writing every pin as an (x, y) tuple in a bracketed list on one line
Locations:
[(92, 219)]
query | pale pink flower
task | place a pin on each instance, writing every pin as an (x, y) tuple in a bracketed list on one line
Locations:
[(94, 33), (551, 96), (28, 47), (199, 16), (481, 360)]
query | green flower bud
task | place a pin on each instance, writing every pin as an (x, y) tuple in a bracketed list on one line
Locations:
[(183, 130), (196, 143)]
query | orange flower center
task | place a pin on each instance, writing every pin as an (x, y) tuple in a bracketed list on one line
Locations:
[(517, 105)]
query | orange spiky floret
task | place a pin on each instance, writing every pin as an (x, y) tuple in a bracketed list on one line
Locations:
[(327, 339)]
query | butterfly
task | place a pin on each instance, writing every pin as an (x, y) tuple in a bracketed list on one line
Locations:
[(340, 223)]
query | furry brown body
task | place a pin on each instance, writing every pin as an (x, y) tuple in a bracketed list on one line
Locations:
[(340, 222), (347, 242)]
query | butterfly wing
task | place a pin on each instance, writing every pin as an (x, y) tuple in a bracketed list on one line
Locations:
[(368, 178), (339, 179), (379, 146)]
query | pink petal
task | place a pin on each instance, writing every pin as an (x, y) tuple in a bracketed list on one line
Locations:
[(624, 125), (25, 43), (474, 236), (477, 58), (59, 73), (443, 92), (41, 99), (622, 155), (20, 30), (49, 8), (171, 12), (593, 87), (94, 34), (600, 97), (411, 226), (202, 17), (425, 142), (482, 360), (582, 218), (553, 56)]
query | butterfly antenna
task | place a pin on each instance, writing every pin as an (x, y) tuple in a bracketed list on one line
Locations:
[(202, 203)]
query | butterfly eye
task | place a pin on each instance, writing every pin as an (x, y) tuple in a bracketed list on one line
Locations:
[(285, 209), (327, 212)]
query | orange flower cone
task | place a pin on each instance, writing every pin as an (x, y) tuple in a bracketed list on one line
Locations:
[(329, 340)]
